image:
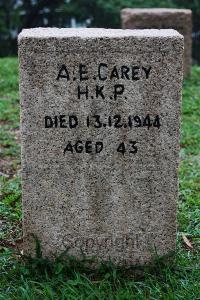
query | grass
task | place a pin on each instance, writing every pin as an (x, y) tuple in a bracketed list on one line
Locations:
[(177, 277)]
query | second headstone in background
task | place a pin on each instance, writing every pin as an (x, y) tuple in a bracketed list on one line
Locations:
[(162, 18)]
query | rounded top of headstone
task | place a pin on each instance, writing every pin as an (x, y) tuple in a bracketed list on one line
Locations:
[(95, 33), (156, 11)]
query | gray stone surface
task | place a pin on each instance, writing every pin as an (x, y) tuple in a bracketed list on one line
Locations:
[(109, 204), (162, 18)]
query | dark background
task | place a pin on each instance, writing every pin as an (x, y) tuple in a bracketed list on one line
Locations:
[(18, 14)]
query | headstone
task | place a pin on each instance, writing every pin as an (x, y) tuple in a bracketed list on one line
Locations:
[(100, 115), (163, 18)]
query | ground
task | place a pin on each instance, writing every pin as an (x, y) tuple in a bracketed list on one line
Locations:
[(174, 277)]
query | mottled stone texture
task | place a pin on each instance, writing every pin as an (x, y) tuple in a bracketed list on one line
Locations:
[(162, 18), (108, 204)]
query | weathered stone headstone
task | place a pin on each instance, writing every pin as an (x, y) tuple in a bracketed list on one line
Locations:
[(162, 18), (100, 114)]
